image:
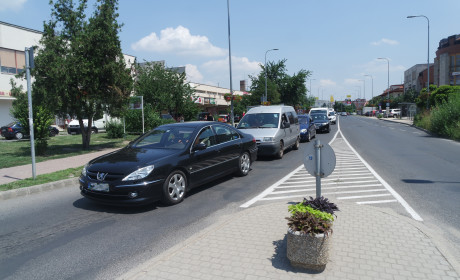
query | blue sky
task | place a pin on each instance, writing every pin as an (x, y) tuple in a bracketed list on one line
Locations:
[(338, 41)]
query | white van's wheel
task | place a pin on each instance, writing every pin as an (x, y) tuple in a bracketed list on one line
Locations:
[(281, 151)]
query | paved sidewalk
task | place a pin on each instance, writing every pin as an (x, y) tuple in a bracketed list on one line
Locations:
[(11, 174), (367, 243)]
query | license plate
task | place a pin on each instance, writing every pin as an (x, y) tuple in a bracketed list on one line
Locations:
[(100, 187)]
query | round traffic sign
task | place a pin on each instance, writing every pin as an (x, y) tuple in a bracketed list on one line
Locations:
[(327, 160)]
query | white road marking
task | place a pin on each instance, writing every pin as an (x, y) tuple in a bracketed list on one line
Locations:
[(351, 172)]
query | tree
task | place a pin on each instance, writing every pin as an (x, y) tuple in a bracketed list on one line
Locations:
[(281, 87), (42, 118), (80, 70), (165, 90)]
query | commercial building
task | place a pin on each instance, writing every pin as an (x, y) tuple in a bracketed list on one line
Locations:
[(415, 78), (447, 62)]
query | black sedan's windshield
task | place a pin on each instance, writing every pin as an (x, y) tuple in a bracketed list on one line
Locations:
[(166, 138), (319, 117)]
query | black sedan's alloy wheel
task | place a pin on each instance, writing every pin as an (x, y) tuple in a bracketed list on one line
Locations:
[(244, 164), (174, 188)]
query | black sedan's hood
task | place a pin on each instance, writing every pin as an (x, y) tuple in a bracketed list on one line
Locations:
[(129, 159), (320, 122)]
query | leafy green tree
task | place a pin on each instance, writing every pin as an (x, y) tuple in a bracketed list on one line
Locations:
[(42, 117), (281, 87), (165, 90), (80, 70)]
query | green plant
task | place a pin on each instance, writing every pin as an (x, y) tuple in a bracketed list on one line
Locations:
[(308, 223), (114, 130), (322, 204), (313, 216)]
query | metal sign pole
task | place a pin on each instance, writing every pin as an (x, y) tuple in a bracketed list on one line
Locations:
[(29, 65), (318, 167)]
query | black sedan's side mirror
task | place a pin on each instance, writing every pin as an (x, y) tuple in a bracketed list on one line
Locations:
[(199, 147)]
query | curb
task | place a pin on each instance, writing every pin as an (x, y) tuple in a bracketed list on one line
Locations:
[(4, 195)]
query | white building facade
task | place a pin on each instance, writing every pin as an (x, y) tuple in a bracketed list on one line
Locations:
[(13, 41)]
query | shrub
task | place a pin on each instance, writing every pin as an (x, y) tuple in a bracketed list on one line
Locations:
[(423, 120), (114, 130), (312, 216), (445, 118)]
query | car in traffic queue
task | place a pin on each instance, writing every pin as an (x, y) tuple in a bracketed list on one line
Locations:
[(14, 130), (321, 122), (276, 128), (307, 128), (165, 163)]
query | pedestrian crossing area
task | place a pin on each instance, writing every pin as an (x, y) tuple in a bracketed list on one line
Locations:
[(352, 180)]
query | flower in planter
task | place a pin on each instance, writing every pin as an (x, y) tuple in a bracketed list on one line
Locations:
[(312, 216), (308, 239)]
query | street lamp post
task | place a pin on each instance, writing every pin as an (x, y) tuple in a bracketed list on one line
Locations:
[(230, 64), (428, 57), (265, 68), (372, 85), (388, 83)]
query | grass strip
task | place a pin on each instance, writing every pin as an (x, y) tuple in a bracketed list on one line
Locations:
[(43, 179)]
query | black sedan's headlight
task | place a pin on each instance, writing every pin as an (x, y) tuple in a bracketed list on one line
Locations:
[(141, 173)]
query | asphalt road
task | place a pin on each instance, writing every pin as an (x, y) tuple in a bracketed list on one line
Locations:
[(423, 169), (60, 235)]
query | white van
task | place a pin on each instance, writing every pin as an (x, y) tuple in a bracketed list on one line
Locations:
[(275, 129), (329, 113)]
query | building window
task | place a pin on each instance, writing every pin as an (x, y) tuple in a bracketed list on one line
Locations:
[(11, 61)]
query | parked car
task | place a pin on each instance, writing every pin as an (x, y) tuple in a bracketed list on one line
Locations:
[(224, 118), (74, 127), (167, 162), (167, 117), (15, 130), (344, 114), (394, 113), (321, 122), (275, 128), (307, 128)]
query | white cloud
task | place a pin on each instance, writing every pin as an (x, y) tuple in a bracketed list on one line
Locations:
[(14, 5), (327, 83), (385, 41), (193, 74), (178, 41), (238, 64), (353, 81)]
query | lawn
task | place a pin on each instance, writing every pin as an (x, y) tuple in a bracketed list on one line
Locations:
[(14, 153)]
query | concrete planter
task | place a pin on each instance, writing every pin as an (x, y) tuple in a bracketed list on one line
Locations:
[(308, 252)]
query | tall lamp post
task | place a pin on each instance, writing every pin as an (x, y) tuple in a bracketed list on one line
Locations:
[(428, 57), (388, 83), (372, 85), (265, 68), (230, 64)]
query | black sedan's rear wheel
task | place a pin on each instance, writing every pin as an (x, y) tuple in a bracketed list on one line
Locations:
[(174, 188), (19, 135), (244, 164)]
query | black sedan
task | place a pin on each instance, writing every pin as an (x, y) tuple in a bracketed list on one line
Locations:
[(321, 122), (166, 162), (15, 130)]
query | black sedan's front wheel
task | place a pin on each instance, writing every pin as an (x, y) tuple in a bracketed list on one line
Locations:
[(244, 164), (174, 188)]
